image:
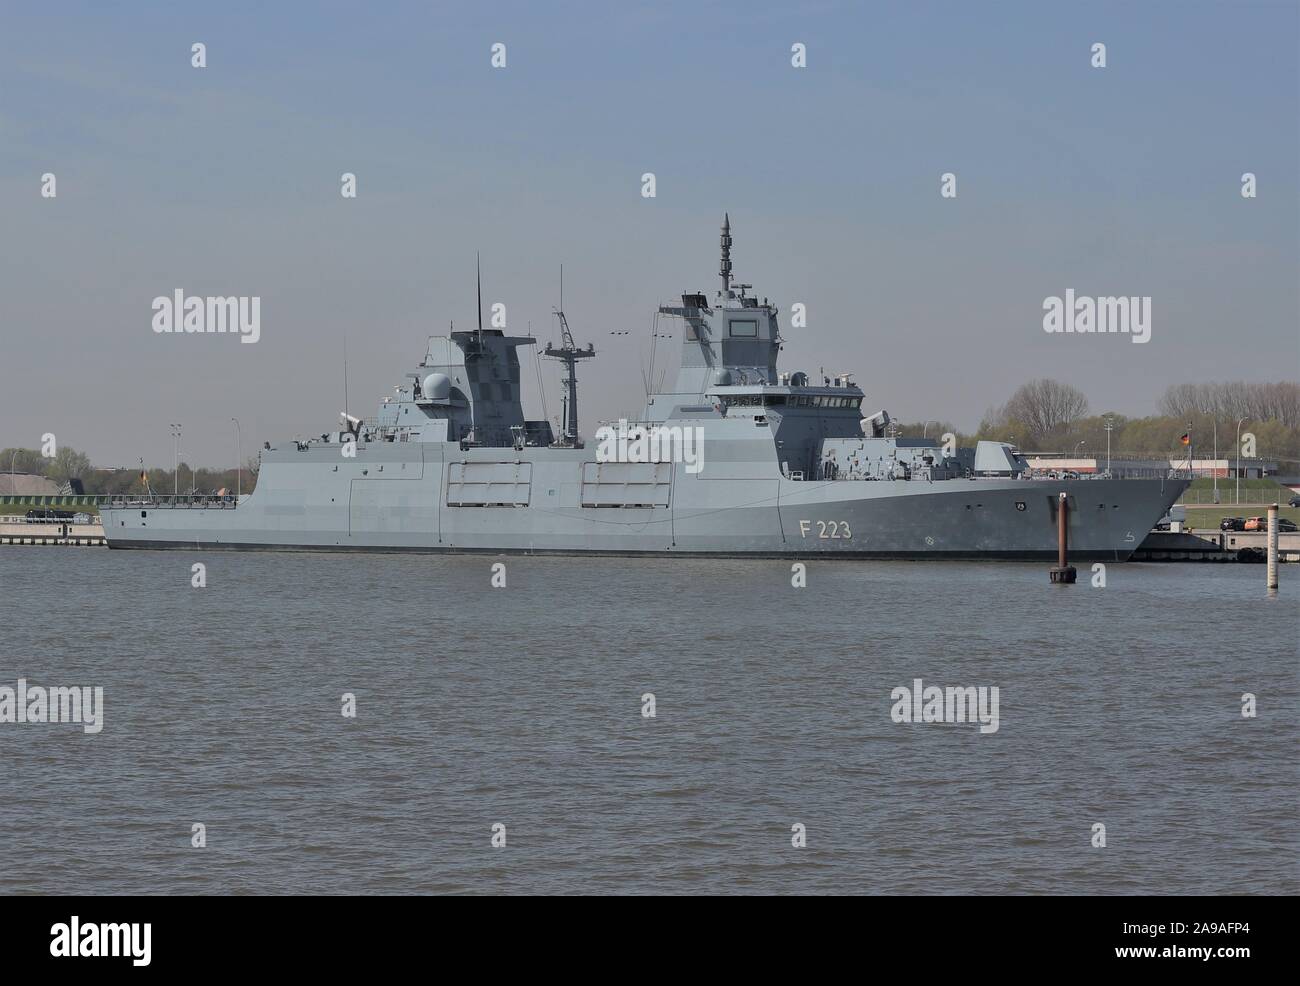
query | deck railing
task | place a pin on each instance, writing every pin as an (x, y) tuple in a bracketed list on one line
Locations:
[(185, 501)]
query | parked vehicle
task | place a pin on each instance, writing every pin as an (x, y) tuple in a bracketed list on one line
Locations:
[(1294, 501), (1260, 524), (1232, 524)]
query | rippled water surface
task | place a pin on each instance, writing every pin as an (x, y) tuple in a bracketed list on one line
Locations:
[(522, 706)]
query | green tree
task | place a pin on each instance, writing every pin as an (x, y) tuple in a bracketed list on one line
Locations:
[(67, 464)]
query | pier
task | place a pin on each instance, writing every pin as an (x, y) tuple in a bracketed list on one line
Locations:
[(1215, 546), (65, 533), (17, 528)]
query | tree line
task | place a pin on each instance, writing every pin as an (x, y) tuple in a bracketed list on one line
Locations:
[(1049, 416), (1278, 402), (69, 464), (66, 464)]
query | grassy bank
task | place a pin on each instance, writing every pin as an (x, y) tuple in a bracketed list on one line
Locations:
[(1254, 491)]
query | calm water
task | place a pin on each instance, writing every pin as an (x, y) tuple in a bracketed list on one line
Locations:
[(523, 706)]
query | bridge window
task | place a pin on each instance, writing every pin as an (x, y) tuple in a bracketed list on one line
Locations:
[(744, 327)]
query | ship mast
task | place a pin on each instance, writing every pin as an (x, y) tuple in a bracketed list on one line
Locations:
[(478, 280), (568, 353), (725, 269)]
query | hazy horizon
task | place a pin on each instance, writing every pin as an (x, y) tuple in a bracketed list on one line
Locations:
[(225, 180)]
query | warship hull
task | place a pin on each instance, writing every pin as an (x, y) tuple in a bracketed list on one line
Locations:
[(388, 499), (734, 459)]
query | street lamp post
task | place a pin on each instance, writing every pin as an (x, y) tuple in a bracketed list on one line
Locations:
[(238, 456), (176, 461), (1110, 425), (1238, 470), (1215, 469)]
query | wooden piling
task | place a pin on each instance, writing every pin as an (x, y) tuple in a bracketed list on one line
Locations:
[(1064, 573), (1272, 546)]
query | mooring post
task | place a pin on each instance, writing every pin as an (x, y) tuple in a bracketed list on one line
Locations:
[(1062, 531), (1063, 573), (1272, 546)]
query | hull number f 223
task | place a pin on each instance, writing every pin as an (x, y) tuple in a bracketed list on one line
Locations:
[(827, 530)]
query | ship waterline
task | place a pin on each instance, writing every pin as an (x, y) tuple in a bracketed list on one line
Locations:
[(782, 466)]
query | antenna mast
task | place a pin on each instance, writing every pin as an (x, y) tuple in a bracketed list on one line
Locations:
[(568, 354), (725, 269)]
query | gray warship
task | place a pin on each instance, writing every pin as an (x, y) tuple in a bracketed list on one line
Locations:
[(736, 459)]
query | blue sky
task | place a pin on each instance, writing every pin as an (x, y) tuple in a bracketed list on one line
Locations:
[(224, 180)]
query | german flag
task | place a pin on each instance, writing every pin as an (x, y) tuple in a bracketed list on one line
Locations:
[(1186, 438)]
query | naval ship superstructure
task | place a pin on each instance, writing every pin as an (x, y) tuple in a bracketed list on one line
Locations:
[(785, 465)]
